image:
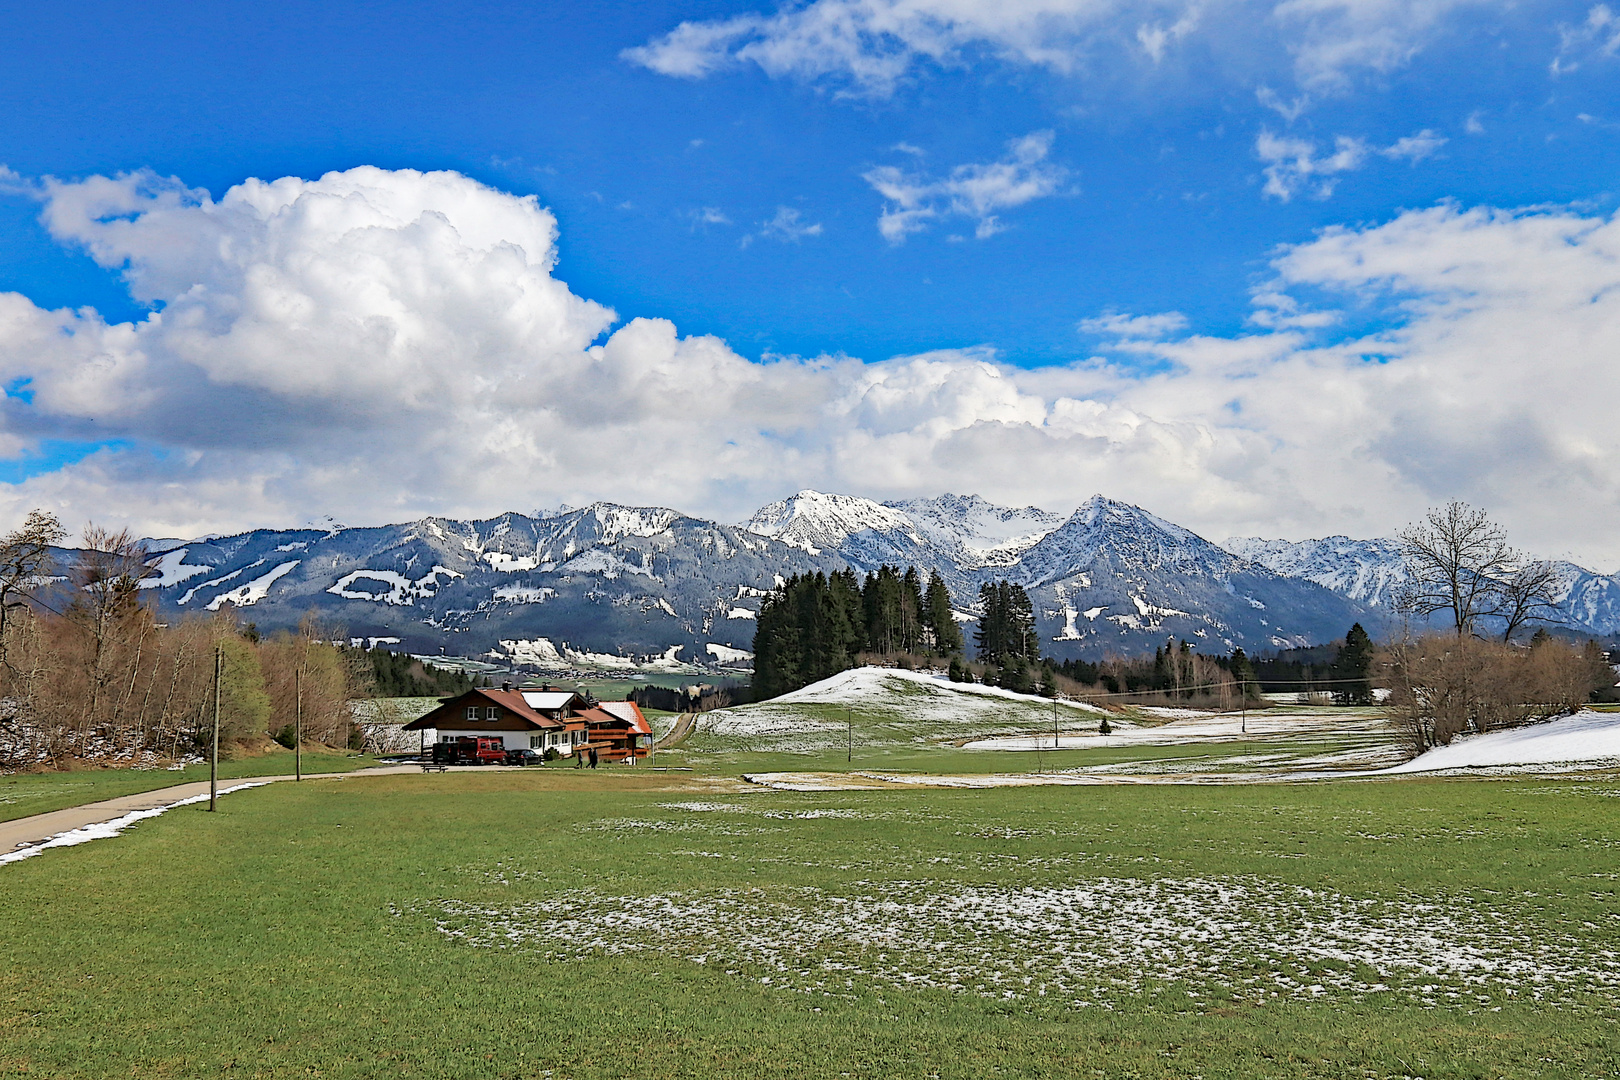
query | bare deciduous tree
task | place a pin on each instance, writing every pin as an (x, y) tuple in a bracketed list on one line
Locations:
[(25, 564), (1527, 594), (106, 606), (1454, 559)]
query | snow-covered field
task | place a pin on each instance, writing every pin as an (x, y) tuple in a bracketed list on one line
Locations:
[(1587, 736)]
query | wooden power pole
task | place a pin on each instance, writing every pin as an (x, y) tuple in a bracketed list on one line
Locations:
[(298, 726), (213, 756)]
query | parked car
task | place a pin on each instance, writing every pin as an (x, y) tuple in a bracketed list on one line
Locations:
[(524, 756), (466, 750)]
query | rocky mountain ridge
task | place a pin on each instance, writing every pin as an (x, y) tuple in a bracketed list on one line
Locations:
[(648, 588), (1370, 571)]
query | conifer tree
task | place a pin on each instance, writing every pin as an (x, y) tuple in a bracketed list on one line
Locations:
[(947, 636), (1354, 662)]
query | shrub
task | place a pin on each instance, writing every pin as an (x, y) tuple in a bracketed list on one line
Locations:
[(1442, 686)]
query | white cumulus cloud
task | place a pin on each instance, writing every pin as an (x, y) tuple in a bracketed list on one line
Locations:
[(379, 345)]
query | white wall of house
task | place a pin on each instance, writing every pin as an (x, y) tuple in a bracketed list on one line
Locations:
[(511, 740), (518, 740)]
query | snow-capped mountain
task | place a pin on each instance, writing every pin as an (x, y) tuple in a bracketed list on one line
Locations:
[(1370, 571), (953, 535), (1114, 577), (1367, 571), (605, 585), (610, 585), (1111, 577), (820, 522), (977, 532)]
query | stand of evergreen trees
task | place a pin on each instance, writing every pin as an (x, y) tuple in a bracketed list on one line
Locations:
[(815, 625), (403, 675), (1342, 669)]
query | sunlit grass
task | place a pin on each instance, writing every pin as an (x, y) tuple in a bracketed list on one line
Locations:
[(296, 932)]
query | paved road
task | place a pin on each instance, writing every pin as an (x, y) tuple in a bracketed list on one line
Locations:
[(25, 832)]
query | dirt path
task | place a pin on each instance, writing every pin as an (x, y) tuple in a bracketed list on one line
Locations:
[(28, 831), (682, 728)]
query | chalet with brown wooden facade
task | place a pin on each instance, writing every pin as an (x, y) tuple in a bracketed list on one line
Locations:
[(543, 719)]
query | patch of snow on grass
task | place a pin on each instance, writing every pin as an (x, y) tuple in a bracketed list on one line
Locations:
[(1585, 736), (103, 829), (1090, 943)]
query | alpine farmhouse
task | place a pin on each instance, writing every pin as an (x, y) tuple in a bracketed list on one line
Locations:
[(543, 719)]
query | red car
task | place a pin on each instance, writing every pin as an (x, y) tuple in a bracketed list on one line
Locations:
[(468, 750)]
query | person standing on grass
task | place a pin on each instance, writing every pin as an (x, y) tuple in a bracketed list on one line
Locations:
[(579, 760), (593, 757)]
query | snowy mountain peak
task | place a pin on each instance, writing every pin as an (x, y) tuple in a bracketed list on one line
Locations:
[(1128, 536), (982, 533), (817, 521)]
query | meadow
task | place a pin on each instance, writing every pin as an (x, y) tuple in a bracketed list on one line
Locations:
[(553, 923)]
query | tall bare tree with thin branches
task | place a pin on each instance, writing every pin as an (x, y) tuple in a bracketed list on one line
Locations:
[(1455, 559)]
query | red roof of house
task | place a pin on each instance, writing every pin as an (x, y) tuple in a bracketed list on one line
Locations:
[(626, 712), (630, 711), (446, 715)]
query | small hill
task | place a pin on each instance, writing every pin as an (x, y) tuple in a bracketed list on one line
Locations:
[(885, 707)]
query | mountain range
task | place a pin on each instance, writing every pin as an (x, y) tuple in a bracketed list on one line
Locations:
[(610, 586), (1370, 571)]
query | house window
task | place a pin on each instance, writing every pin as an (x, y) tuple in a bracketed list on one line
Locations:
[(534, 742), (492, 713), (472, 712)]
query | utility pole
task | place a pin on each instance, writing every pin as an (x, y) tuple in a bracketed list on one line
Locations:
[(849, 735), (298, 728), (1054, 726), (213, 757)]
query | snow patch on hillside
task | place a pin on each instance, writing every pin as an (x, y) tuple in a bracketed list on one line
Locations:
[(606, 563), (254, 591), (171, 569), (620, 521), (195, 589), (402, 591), (500, 560), (523, 594)]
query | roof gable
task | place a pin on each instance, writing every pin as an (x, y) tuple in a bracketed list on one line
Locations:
[(450, 714)]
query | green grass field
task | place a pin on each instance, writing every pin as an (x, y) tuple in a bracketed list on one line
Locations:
[(25, 794), (628, 923)]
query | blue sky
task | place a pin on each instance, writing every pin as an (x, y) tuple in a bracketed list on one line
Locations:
[(1040, 167)]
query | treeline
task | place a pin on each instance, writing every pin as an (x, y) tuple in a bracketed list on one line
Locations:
[(88, 672), (403, 675), (696, 698), (816, 625)]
